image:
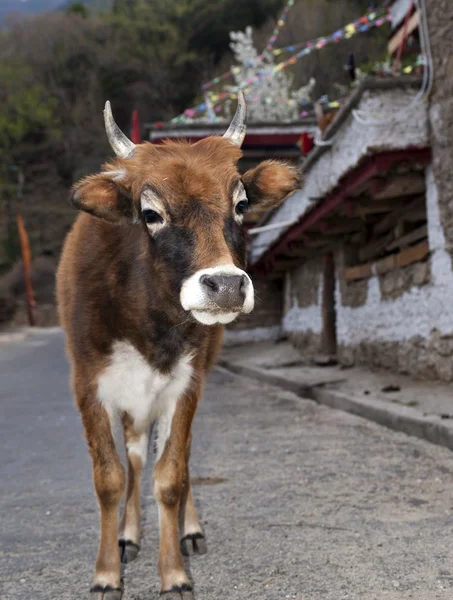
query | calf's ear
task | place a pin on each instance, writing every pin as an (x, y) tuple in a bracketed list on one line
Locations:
[(102, 196), (268, 184)]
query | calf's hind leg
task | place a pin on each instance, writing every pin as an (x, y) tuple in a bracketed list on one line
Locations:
[(192, 536), (168, 483), (109, 480)]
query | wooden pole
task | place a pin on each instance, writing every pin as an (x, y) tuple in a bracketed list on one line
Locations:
[(328, 307), (403, 39), (26, 260)]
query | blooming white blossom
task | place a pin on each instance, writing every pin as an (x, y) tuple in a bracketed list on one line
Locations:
[(268, 89), (269, 93)]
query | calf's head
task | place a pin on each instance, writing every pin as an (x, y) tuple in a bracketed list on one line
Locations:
[(189, 200)]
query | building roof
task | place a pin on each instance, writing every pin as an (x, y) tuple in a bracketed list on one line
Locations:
[(200, 130), (332, 170), (263, 140)]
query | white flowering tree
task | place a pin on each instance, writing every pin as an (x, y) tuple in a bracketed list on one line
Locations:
[(270, 95)]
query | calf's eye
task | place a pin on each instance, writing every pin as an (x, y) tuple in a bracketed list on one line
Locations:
[(242, 207), (151, 216)]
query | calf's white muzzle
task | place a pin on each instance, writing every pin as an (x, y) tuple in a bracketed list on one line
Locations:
[(218, 295)]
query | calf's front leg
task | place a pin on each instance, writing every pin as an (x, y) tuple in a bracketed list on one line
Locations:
[(109, 482), (168, 483)]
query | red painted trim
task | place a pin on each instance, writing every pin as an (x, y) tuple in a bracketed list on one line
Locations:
[(375, 165)]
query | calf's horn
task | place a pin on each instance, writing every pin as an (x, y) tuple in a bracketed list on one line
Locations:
[(120, 143), (236, 130)]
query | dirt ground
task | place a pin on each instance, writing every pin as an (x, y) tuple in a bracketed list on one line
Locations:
[(297, 500)]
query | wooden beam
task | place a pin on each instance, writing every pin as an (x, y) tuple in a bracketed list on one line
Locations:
[(348, 207), (313, 241), (412, 254), (285, 264), (409, 184), (341, 225), (375, 247), (386, 223), (340, 197), (319, 240), (297, 252), (401, 213), (418, 214), (331, 247), (389, 263), (358, 238), (414, 236), (359, 272), (364, 208), (396, 40)]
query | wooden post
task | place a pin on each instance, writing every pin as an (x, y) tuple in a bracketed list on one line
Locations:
[(329, 333), (26, 260), (403, 39)]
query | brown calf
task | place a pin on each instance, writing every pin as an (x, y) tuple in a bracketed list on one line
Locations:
[(143, 291)]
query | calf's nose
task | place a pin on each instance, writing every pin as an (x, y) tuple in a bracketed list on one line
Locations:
[(226, 291)]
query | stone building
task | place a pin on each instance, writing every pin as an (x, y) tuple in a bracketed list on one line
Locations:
[(364, 251)]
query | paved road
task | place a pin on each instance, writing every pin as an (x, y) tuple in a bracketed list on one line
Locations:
[(298, 501)]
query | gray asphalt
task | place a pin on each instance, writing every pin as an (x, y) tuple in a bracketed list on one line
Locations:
[(298, 500)]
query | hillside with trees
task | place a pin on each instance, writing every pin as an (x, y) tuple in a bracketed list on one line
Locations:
[(57, 69)]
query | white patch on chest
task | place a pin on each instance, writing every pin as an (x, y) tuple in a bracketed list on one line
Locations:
[(129, 384)]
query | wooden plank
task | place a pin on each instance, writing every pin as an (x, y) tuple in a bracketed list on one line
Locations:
[(297, 252), (418, 214), (385, 264), (339, 225), (274, 275), (409, 238), (364, 208), (296, 249), (395, 41), (404, 213), (389, 263), (358, 238), (374, 248), (329, 332), (359, 272), (386, 223), (409, 184), (286, 264), (412, 254), (318, 241)]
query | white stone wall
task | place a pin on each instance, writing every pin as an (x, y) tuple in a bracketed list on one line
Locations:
[(250, 336), (304, 320), (353, 142), (417, 312)]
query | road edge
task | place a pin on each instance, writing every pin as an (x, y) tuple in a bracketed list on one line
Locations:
[(393, 416)]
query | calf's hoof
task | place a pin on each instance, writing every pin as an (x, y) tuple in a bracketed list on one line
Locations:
[(105, 592), (193, 543), (178, 592), (128, 550)]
